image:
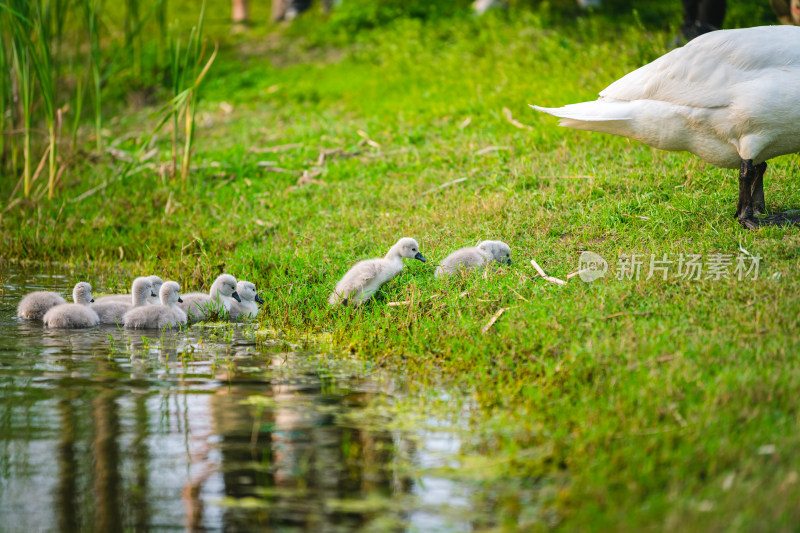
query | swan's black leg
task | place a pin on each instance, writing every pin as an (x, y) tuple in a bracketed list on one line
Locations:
[(757, 190), (751, 199), (744, 209)]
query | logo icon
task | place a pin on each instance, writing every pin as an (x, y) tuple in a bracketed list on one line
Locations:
[(591, 266)]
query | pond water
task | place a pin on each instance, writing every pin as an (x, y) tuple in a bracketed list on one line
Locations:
[(204, 429)]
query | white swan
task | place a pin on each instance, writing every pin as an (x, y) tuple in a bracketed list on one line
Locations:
[(165, 315), (75, 315), (111, 310), (250, 300), (474, 257), (198, 305), (729, 97), (364, 279), (152, 298)]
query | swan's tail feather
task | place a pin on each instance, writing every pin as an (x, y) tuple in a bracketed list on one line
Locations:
[(608, 117)]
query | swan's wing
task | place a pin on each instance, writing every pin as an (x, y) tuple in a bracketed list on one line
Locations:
[(705, 71), (357, 277), (466, 257)]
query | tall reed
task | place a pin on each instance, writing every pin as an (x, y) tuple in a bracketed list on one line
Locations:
[(187, 69), (16, 12), (91, 9), (61, 54), (40, 43), (6, 94)]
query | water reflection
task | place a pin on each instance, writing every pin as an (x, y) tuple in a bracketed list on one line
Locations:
[(197, 429)]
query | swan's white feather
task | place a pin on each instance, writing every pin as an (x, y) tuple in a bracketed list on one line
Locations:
[(726, 96)]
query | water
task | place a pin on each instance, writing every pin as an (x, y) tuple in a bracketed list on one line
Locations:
[(206, 429)]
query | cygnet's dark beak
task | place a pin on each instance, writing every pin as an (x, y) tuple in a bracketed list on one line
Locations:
[(91, 301), (236, 296), (153, 294), (419, 256), (179, 300), (259, 299), (508, 261)]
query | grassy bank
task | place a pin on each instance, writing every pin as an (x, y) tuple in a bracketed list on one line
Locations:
[(620, 404)]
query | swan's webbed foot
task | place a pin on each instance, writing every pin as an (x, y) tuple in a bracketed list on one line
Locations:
[(784, 218), (749, 222)]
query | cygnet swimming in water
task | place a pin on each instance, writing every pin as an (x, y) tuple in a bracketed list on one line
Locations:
[(165, 315), (155, 297), (248, 307), (34, 305), (198, 305), (111, 310), (365, 278), (152, 298), (474, 257), (76, 315)]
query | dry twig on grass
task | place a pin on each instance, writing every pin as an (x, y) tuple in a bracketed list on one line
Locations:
[(325, 155), (278, 148), (623, 313), (578, 273), (269, 166), (681, 210), (490, 149), (443, 185), (365, 136), (514, 122), (544, 276), (308, 178), (492, 320)]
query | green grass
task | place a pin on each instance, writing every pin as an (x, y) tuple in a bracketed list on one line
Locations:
[(621, 405)]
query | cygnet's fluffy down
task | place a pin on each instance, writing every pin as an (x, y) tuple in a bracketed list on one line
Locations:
[(474, 257), (198, 305), (365, 278), (248, 307), (152, 298), (111, 311), (75, 315), (155, 298), (34, 305), (165, 315)]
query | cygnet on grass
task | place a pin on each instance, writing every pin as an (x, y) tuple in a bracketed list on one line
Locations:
[(152, 298), (474, 257), (76, 315), (111, 311), (248, 307), (34, 305), (365, 278), (165, 315), (198, 305)]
